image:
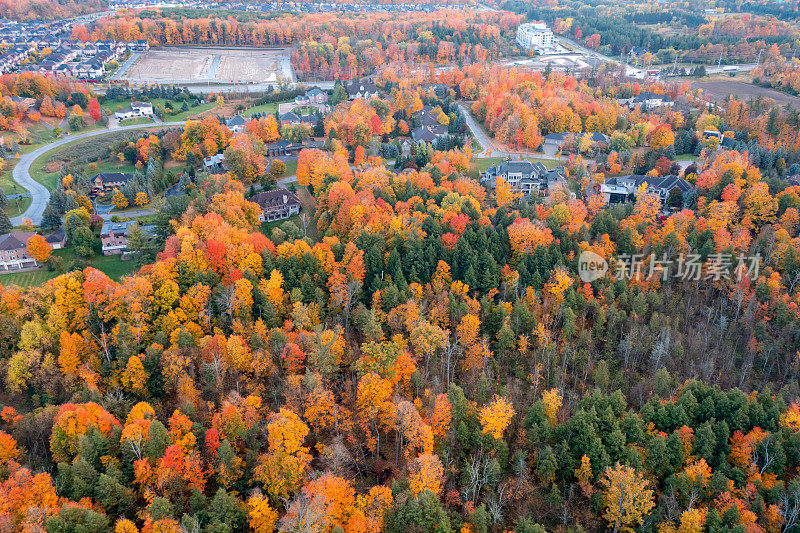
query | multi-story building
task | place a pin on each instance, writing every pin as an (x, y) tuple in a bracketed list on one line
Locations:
[(623, 188), (524, 176), (535, 36), (276, 205), (137, 109), (114, 237), (14, 251)]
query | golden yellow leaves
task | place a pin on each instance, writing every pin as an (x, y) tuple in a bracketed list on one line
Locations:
[(496, 416)]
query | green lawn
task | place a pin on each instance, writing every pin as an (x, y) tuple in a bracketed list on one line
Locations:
[(39, 136), (115, 166), (17, 206), (263, 109), (48, 179), (137, 120), (686, 157), (27, 279), (112, 265), (481, 164), (179, 115), (113, 106), (291, 168), (7, 183), (304, 110)]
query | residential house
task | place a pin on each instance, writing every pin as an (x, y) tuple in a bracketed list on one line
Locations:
[(524, 176), (724, 142), (25, 103), (236, 123), (293, 119), (361, 89), (285, 148), (57, 239), (214, 163), (276, 205), (111, 180), (439, 90), (314, 95), (649, 100), (114, 237), (89, 70), (426, 117), (14, 251), (623, 189), (556, 140), (429, 134), (137, 109)]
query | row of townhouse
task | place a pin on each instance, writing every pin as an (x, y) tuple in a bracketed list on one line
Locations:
[(67, 57)]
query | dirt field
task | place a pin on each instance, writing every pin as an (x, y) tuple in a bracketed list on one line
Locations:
[(214, 65), (719, 90)]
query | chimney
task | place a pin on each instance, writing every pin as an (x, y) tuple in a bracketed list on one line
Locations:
[(285, 199)]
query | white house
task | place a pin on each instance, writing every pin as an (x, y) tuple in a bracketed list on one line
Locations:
[(649, 100), (236, 123), (535, 36), (137, 109)]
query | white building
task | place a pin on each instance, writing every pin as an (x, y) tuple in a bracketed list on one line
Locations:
[(535, 36), (137, 109)]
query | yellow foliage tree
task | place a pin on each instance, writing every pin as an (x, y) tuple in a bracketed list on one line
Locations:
[(626, 497), (425, 473), (496, 416), (119, 200), (134, 378), (261, 517), (552, 402)]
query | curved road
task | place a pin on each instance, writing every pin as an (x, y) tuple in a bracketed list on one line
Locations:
[(487, 144), (39, 193)]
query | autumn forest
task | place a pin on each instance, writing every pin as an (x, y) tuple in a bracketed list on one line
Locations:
[(419, 349)]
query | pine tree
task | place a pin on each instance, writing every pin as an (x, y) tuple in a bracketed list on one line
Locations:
[(5, 222)]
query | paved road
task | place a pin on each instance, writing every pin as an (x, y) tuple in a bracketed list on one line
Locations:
[(39, 193), (487, 145), (123, 69)]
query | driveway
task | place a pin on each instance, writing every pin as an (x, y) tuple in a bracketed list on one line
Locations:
[(487, 146), (39, 193)]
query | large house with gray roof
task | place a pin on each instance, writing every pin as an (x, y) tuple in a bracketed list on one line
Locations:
[(524, 176), (623, 188)]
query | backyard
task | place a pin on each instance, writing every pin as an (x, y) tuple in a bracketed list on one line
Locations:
[(112, 265)]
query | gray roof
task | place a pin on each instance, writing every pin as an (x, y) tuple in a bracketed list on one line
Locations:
[(113, 177), (124, 227), (428, 134), (657, 182), (16, 240), (650, 96), (237, 120), (275, 198)]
